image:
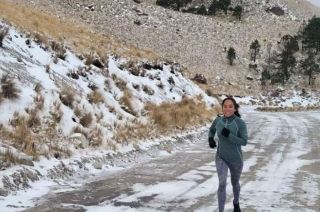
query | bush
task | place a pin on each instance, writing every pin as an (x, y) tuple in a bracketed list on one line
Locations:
[(3, 33), (59, 50), (148, 90), (9, 89), (168, 116), (67, 97), (95, 97), (34, 119), (125, 100), (202, 10), (56, 113), (86, 120)]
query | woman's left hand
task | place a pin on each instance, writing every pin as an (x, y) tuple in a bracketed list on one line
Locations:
[(225, 132)]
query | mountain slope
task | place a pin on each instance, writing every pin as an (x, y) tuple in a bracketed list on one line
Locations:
[(196, 42)]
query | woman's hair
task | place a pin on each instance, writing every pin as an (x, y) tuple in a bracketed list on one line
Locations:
[(235, 104)]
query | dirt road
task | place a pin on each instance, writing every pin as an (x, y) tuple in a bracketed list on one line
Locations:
[(281, 173)]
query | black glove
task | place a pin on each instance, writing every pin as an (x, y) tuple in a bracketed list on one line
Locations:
[(225, 132), (212, 143)]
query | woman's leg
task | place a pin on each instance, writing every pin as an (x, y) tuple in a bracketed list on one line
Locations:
[(235, 171), (222, 170)]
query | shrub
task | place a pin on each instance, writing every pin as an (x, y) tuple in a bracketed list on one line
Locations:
[(86, 120), (95, 97), (33, 119), (125, 100), (56, 113), (59, 50), (9, 89), (168, 116), (121, 84), (89, 59), (3, 33), (67, 97), (9, 157), (148, 90)]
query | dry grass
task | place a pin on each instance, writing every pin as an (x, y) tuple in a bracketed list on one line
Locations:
[(67, 97), (46, 26), (95, 97), (188, 112), (167, 118), (9, 157), (120, 83), (21, 137), (59, 151), (129, 132), (148, 90), (83, 131), (56, 114), (8, 88), (125, 100), (86, 120), (34, 119), (3, 33), (59, 49)]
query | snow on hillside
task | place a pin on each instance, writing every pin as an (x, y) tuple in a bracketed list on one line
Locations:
[(82, 105), (28, 64)]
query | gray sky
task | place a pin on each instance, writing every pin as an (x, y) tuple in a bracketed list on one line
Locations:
[(316, 2)]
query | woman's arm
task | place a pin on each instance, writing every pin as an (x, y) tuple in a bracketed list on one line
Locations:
[(212, 130), (242, 139)]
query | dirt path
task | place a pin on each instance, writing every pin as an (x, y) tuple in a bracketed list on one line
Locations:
[(281, 173)]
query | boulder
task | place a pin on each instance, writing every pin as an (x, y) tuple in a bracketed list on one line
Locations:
[(276, 10), (200, 78)]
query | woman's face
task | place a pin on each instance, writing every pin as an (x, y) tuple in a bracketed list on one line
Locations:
[(228, 108)]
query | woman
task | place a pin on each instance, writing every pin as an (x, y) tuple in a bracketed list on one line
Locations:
[(232, 134)]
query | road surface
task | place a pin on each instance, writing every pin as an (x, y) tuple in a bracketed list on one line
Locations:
[(281, 173)]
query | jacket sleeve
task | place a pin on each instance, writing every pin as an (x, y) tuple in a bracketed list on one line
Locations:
[(212, 130), (242, 139)]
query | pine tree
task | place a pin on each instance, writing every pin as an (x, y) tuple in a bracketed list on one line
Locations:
[(254, 50), (310, 65), (224, 4), (237, 12), (231, 55), (213, 8), (202, 10), (311, 34)]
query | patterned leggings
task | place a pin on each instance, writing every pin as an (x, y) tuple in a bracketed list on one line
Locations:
[(222, 170)]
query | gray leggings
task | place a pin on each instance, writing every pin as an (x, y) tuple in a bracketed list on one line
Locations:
[(222, 170)]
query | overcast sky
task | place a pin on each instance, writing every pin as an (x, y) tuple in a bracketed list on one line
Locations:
[(316, 2)]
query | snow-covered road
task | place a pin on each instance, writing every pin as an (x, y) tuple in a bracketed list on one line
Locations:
[(281, 173)]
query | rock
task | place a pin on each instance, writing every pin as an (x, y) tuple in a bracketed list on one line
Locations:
[(78, 139), (137, 22), (97, 165), (3, 192), (276, 10), (200, 78), (27, 162), (137, 1), (96, 62), (31, 175), (219, 78), (249, 78), (171, 81), (90, 7), (253, 66)]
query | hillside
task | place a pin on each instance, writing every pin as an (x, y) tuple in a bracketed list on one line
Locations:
[(197, 42)]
